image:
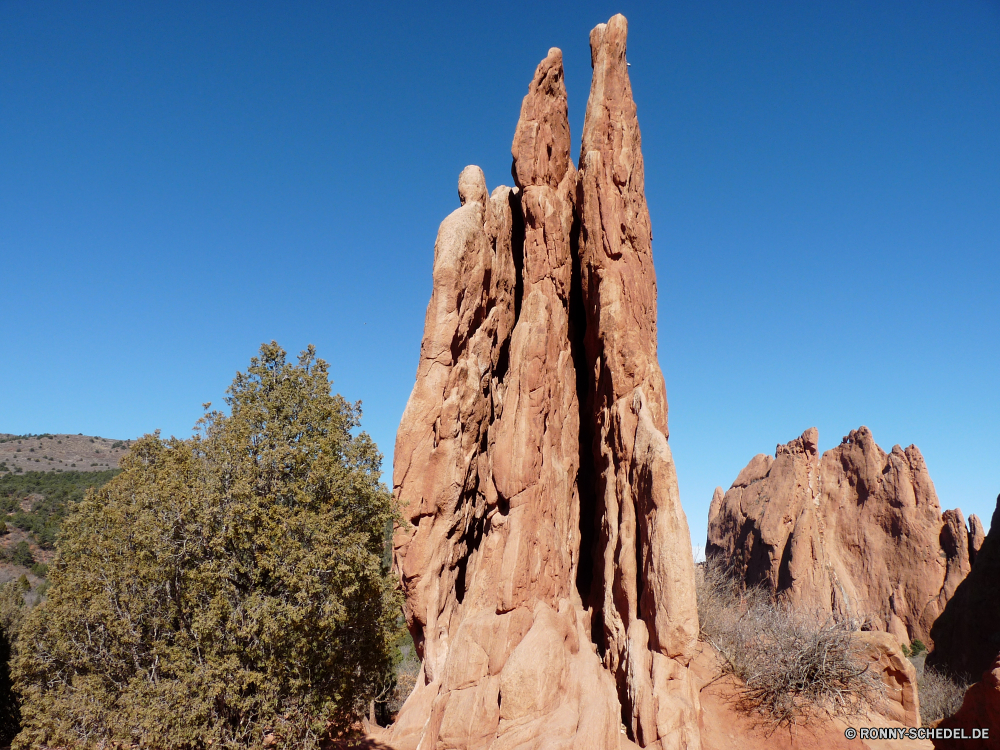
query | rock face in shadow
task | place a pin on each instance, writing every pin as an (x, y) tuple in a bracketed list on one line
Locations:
[(967, 634), (977, 535), (856, 531), (545, 562), (544, 558), (980, 709)]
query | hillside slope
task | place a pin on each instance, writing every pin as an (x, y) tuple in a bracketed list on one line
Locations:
[(20, 453)]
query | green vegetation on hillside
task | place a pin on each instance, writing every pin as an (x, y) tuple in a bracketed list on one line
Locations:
[(226, 591), (59, 490)]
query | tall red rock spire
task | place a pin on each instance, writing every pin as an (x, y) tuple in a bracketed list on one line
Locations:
[(486, 466), (643, 587), (543, 620)]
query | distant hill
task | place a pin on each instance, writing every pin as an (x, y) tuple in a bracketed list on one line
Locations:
[(41, 476), (21, 453)]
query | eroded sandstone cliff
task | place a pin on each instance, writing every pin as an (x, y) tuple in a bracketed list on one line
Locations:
[(967, 634), (855, 531), (545, 558)]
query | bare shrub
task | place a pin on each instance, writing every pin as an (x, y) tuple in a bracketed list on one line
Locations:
[(792, 665), (407, 672), (394, 690), (940, 695)]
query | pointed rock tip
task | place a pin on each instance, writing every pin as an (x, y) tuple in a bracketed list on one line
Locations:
[(618, 23), (549, 75), (614, 32), (807, 442), (472, 186), (811, 437), (541, 147)]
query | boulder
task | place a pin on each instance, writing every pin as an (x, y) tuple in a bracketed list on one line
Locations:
[(902, 702), (856, 531)]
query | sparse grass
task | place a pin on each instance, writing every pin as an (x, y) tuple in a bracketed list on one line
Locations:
[(792, 666), (940, 695)]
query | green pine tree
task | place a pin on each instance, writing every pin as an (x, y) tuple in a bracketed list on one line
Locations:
[(222, 588)]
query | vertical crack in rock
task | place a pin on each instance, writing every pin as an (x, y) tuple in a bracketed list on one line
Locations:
[(549, 583), (644, 584), (504, 637)]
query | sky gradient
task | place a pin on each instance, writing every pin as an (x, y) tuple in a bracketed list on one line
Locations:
[(183, 181)]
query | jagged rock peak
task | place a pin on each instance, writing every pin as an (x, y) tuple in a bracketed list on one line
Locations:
[(807, 526), (967, 634), (541, 140)]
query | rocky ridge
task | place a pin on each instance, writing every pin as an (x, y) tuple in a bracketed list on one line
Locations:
[(20, 453), (856, 531)]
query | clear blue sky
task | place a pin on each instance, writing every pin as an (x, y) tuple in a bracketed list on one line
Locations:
[(181, 181)]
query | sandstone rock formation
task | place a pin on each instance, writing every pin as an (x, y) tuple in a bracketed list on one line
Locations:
[(977, 535), (545, 558), (901, 703), (642, 589), (855, 531), (967, 634), (980, 709)]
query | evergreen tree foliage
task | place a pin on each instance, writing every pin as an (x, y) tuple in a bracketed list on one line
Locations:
[(224, 588), (12, 609), (22, 555)]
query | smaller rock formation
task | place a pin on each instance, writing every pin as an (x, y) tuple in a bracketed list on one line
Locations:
[(855, 531), (977, 534), (902, 703), (967, 634), (980, 709)]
